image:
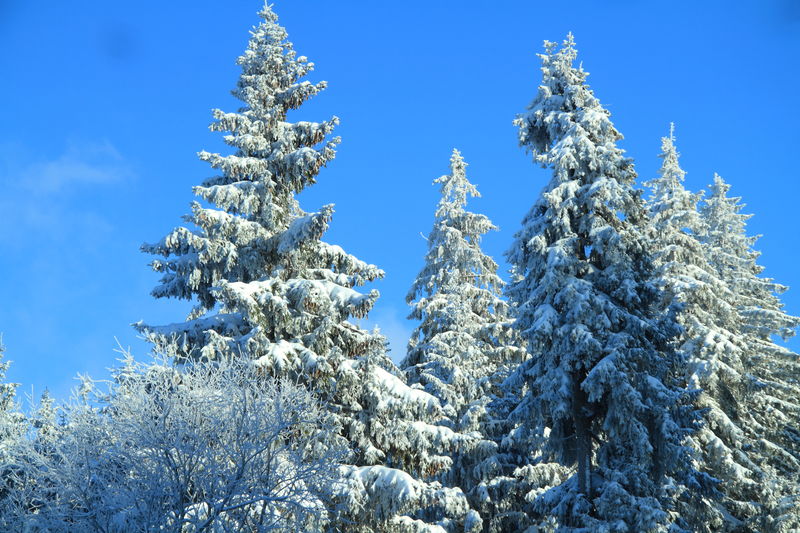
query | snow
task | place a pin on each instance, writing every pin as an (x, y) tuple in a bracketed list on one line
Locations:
[(267, 289), (630, 382), (590, 320)]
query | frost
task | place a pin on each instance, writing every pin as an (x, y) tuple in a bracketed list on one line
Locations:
[(268, 289), (597, 392), (464, 346)]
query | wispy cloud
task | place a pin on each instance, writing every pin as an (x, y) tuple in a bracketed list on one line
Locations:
[(49, 200), (81, 163)]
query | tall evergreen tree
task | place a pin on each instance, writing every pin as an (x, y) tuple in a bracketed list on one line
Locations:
[(268, 289), (12, 431), (709, 344), (767, 409), (464, 346), (600, 389), (464, 337), (12, 422)]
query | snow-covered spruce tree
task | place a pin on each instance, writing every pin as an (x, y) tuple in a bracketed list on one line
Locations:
[(12, 431), (268, 289), (463, 346), (711, 347), (464, 337), (767, 408), (28, 482), (12, 422), (600, 389)]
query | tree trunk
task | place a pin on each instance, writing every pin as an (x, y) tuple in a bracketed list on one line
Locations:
[(583, 444)]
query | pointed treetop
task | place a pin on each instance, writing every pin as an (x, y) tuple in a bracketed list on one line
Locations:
[(672, 208), (545, 129), (726, 225), (454, 256), (567, 47), (271, 71), (554, 59), (455, 186), (719, 188), (671, 171), (267, 13), (720, 203)]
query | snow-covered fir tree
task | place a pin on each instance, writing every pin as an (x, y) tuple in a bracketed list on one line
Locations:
[(766, 405), (600, 393), (464, 346), (28, 483), (12, 431), (464, 336), (710, 345), (267, 288), (12, 422)]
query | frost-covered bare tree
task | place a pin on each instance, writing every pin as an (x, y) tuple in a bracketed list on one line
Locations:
[(762, 416), (208, 447), (267, 288), (600, 388)]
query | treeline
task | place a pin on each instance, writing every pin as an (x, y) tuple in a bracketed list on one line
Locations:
[(626, 379)]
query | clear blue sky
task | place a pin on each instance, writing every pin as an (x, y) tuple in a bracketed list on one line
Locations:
[(104, 105)]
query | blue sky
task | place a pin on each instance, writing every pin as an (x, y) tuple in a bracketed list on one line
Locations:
[(105, 104)]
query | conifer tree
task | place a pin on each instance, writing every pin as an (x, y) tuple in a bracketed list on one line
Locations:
[(709, 343), (600, 393), (464, 346), (766, 406), (12, 431), (267, 288), (12, 422), (463, 339)]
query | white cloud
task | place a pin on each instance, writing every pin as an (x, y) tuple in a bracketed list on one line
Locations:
[(47, 198), (81, 163)]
